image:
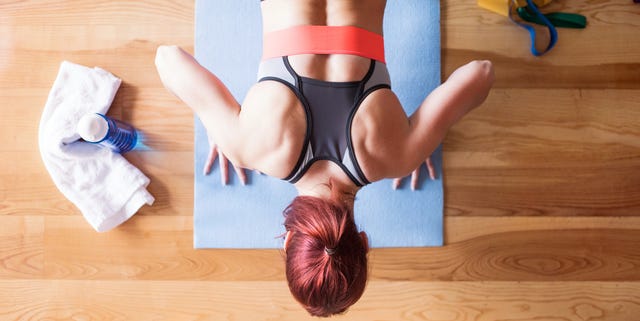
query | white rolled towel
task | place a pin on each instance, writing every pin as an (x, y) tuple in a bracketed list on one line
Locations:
[(106, 188)]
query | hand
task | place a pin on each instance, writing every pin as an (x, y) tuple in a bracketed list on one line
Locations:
[(224, 165), (414, 175)]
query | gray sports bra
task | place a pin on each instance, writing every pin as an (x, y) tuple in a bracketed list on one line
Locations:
[(329, 108)]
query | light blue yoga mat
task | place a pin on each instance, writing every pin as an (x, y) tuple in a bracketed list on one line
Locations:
[(229, 43)]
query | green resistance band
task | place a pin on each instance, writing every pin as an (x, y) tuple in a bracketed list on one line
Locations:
[(558, 19)]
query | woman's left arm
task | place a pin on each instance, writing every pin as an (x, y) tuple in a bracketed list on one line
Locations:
[(465, 90)]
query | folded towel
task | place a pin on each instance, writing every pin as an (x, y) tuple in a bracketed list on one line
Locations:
[(106, 188)]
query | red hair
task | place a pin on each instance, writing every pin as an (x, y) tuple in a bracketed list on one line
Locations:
[(326, 256)]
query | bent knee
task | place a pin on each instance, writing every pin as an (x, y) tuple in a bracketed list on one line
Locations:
[(165, 53), (483, 70)]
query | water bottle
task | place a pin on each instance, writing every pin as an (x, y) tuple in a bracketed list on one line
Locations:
[(100, 129)]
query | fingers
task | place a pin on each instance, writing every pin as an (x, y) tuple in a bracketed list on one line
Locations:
[(396, 183), (224, 166), (414, 179), (213, 153), (224, 169), (415, 175), (241, 174), (430, 168)]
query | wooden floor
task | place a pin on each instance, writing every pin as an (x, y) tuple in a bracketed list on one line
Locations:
[(542, 182)]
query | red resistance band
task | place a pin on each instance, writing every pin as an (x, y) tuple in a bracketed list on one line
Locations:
[(346, 40)]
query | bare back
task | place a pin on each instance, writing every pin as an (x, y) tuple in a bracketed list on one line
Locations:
[(277, 119)]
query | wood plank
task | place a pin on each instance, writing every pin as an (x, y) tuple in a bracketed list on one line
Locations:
[(139, 69), (26, 187), (165, 164), (29, 194), (161, 247), (202, 300), (82, 12), (600, 56), (32, 194), (37, 36), (552, 255), (21, 248), (89, 33), (580, 120), (148, 248), (166, 122), (525, 249), (460, 229), (546, 152)]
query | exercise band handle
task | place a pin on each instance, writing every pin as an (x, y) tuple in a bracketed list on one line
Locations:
[(558, 19)]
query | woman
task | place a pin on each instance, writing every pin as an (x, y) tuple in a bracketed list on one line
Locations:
[(324, 118)]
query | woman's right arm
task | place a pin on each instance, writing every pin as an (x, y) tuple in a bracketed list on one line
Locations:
[(207, 96)]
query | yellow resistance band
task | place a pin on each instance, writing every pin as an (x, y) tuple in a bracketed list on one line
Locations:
[(502, 6)]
